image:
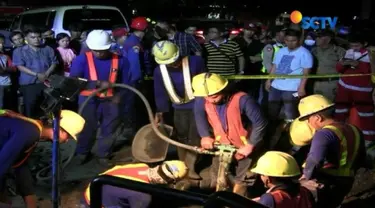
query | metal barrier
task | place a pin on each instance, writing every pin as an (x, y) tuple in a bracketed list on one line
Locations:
[(218, 199), (229, 199), (154, 190)]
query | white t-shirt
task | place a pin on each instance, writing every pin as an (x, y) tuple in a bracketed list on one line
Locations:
[(292, 63)]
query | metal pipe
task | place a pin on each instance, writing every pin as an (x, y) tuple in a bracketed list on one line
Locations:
[(98, 183), (56, 159)]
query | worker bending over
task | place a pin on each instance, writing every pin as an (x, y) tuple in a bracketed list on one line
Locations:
[(223, 111), (337, 150), (277, 171), (167, 173), (99, 65), (19, 136), (172, 83)]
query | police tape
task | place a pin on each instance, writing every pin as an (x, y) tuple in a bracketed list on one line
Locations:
[(289, 76)]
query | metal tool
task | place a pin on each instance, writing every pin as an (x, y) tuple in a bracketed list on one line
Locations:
[(226, 153)]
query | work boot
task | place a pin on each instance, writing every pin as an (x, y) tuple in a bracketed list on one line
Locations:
[(105, 162), (190, 160), (240, 189)]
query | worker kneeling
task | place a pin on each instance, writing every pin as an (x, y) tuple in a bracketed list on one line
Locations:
[(167, 173), (19, 137), (278, 171), (229, 115), (337, 150)]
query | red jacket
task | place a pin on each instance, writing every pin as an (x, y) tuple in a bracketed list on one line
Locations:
[(363, 67), (284, 200)]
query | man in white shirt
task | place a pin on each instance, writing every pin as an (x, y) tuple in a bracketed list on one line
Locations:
[(291, 60)]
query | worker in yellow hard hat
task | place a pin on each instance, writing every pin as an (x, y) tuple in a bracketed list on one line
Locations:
[(336, 152), (19, 136), (167, 173), (172, 84), (234, 118), (277, 171)]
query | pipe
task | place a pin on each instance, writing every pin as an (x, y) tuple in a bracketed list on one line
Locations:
[(150, 116), (198, 150)]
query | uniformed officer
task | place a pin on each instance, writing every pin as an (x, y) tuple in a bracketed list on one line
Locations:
[(99, 64), (327, 55), (19, 136), (135, 53), (119, 35), (267, 55), (166, 173)]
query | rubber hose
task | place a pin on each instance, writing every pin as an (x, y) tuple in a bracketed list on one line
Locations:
[(149, 112), (150, 116)]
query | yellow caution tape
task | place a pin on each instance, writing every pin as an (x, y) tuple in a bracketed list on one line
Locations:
[(279, 76)]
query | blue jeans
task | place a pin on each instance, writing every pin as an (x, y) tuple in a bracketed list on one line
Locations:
[(277, 99)]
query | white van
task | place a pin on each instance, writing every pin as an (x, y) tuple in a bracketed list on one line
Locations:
[(60, 18)]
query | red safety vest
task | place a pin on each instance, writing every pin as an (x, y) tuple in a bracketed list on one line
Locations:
[(303, 200), (235, 133), (350, 141), (135, 172), (94, 77), (25, 155)]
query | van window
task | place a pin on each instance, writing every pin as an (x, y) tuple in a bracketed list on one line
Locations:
[(37, 19), (16, 23), (103, 19)]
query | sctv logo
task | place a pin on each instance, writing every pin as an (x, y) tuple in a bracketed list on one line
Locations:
[(312, 22)]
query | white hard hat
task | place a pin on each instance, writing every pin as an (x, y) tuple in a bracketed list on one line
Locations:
[(98, 40)]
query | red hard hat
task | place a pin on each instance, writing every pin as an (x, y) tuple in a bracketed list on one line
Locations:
[(139, 23)]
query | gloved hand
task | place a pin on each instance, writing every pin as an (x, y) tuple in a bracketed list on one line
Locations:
[(244, 151), (207, 143)]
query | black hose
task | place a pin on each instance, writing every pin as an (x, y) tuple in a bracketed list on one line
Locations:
[(65, 163)]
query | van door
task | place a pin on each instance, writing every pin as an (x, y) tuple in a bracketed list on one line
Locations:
[(104, 19)]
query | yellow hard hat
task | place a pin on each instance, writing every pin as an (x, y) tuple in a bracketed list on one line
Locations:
[(207, 84), (165, 52), (313, 104), (301, 133), (71, 122), (174, 169), (277, 164)]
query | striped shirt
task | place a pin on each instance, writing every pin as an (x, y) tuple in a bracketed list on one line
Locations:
[(222, 59)]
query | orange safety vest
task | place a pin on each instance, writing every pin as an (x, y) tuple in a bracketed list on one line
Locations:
[(94, 77), (25, 155), (350, 141), (235, 133), (135, 172), (284, 200)]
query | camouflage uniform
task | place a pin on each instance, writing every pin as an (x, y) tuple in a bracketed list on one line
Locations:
[(327, 59)]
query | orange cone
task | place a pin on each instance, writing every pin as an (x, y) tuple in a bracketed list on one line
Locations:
[(353, 117)]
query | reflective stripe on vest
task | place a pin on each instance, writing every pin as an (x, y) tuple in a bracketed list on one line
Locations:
[(27, 152), (235, 133), (345, 167), (94, 77), (276, 48), (303, 199), (135, 172), (187, 83)]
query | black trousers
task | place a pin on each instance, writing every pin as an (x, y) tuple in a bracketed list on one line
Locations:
[(185, 127), (33, 97)]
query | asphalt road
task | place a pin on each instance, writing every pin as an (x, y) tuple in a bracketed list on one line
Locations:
[(76, 178)]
